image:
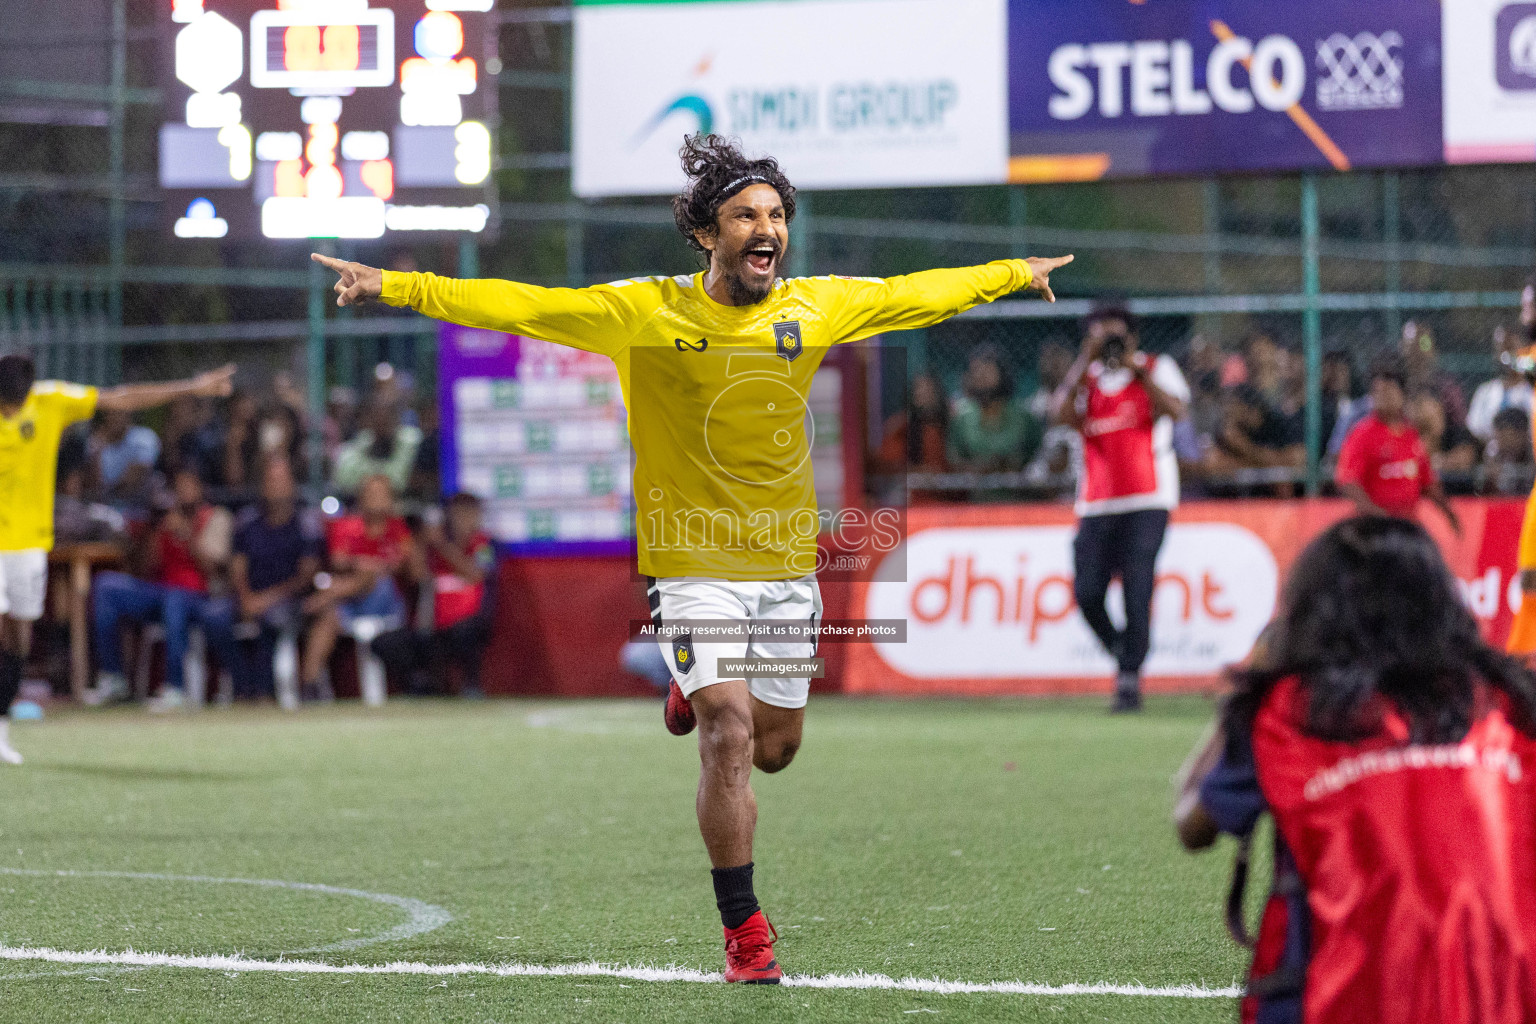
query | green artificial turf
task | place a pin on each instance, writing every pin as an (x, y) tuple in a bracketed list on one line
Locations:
[(968, 841)]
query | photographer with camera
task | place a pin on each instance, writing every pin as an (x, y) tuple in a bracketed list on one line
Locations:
[(1124, 403)]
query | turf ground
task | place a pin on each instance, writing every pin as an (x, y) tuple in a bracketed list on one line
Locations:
[(975, 842)]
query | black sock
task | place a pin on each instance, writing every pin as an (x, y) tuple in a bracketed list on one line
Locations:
[(10, 680), (733, 894)]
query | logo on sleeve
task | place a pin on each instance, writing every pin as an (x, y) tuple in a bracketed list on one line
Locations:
[(682, 653), (786, 335)]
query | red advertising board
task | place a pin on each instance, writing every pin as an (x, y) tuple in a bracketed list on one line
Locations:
[(987, 594)]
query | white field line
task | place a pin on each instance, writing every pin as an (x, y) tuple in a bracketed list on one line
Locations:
[(932, 986)]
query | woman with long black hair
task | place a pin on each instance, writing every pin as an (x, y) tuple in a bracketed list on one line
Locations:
[(1396, 752)]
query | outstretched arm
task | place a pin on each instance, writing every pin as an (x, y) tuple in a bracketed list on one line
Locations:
[(869, 306), (136, 397), (597, 319)]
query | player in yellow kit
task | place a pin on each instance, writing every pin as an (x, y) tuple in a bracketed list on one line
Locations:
[(33, 415), (715, 369)]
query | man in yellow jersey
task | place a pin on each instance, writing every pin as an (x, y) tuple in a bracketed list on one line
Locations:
[(715, 369), (33, 414)]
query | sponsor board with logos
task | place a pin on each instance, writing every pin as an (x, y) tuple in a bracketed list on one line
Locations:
[(846, 93), (988, 602)]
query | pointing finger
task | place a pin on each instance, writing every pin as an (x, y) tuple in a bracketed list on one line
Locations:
[(329, 261)]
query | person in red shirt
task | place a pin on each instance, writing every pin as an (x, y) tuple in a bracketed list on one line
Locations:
[(1384, 467), (1124, 402), (1395, 751), (459, 568), (186, 556), (367, 549)]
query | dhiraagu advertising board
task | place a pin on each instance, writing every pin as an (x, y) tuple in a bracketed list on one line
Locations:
[(846, 93)]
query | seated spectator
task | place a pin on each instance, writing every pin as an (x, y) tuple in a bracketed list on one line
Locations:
[(991, 431), (1055, 360), (122, 456), (427, 470), (366, 550), (1383, 467), (1264, 362), (1421, 361), (1343, 403), (1253, 436), (914, 439), (1507, 460), (1382, 733), (1451, 448), (340, 420), (240, 442), (279, 433), (277, 552), (1509, 390), (460, 570), (187, 554), (77, 520), (189, 440), (384, 447)]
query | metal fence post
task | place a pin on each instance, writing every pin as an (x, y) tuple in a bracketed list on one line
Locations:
[(801, 256), (1018, 220), (1312, 331), (1392, 234), (117, 211)]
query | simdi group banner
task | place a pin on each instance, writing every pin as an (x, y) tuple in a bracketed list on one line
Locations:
[(846, 93), (987, 594), (874, 93)]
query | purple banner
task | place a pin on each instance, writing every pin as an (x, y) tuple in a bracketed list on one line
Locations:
[(1109, 88)]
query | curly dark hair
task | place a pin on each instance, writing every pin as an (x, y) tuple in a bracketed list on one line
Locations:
[(1371, 614), (717, 169)]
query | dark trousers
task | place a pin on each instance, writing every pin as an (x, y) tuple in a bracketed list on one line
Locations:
[(407, 652), (1124, 545)]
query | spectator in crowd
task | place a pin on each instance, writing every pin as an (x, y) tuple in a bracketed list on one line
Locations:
[(427, 471), (1055, 360), (460, 572), (1451, 447), (1124, 403), (1528, 310), (340, 420), (384, 447), (240, 441), (122, 456), (1421, 363), (188, 440), (1384, 467), (1401, 888), (279, 433), (1264, 361), (186, 554), (1508, 390), (1253, 436), (914, 439), (76, 519), (1507, 460), (367, 549), (277, 550), (991, 431), (1343, 403)]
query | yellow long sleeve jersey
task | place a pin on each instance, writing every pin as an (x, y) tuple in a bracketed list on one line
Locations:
[(715, 395)]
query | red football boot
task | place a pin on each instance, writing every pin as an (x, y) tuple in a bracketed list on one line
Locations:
[(749, 952), (679, 713)]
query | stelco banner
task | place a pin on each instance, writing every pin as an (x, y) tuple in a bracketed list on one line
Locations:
[(989, 608), (846, 93), (1174, 87)]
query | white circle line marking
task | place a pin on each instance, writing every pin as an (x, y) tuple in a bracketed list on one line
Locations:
[(421, 917), (932, 986)]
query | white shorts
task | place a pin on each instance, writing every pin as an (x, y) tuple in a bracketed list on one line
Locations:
[(23, 581), (694, 662)]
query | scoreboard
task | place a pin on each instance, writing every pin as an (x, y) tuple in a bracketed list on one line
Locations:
[(328, 118)]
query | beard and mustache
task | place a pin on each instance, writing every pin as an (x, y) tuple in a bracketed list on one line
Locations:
[(744, 285)]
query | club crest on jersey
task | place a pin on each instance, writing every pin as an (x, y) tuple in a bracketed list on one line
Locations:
[(682, 653), (787, 338), (28, 430), (691, 346)]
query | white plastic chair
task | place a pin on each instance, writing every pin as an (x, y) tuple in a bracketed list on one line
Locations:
[(371, 680), (285, 669), (194, 664)]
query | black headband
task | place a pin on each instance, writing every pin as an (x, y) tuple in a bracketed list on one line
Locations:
[(739, 184)]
